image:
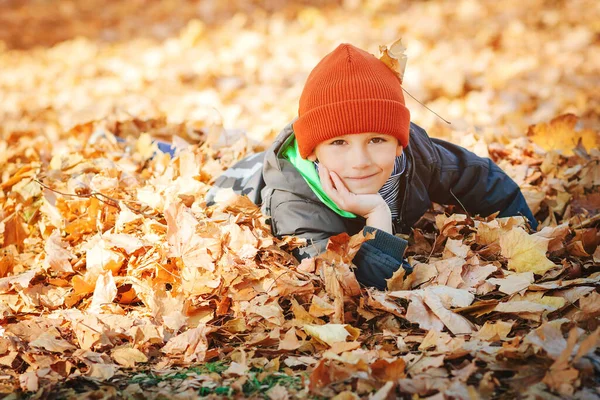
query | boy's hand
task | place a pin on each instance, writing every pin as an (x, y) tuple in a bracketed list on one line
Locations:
[(365, 205)]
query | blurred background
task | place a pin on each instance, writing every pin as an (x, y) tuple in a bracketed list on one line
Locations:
[(486, 66)]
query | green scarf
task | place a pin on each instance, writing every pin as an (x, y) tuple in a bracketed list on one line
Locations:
[(308, 171)]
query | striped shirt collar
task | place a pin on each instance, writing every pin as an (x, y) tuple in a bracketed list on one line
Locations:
[(391, 188)]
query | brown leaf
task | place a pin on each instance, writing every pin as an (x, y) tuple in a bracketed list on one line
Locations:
[(549, 338), (52, 341), (57, 256), (102, 372), (15, 231), (588, 345), (424, 363), (17, 282), (492, 331), (29, 381), (561, 376), (513, 283), (590, 304), (385, 370), (331, 333), (104, 292), (320, 307), (417, 312), (456, 323), (191, 344), (128, 356), (290, 341)]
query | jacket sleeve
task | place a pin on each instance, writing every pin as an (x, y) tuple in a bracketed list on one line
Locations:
[(462, 178), (304, 219), (376, 260), (379, 258)]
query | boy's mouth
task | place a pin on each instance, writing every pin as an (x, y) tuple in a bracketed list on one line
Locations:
[(359, 178)]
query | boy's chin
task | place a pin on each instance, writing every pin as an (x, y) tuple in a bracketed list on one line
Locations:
[(364, 190)]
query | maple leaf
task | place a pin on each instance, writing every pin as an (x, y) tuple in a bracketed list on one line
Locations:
[(430, 308), (562, 376), (183, 240), (492, 331), (525, 253), (226, 269), (191, 344), (128, 356), (513, 283), (14, 230), (57, 255), (52, 341), (104, 292), (331, 333), (561, 133), (290, 341), (394, 57), (456, 323)]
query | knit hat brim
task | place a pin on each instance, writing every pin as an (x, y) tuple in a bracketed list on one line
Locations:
[(352, 116)]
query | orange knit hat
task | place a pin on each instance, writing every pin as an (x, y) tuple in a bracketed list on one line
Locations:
[(350, 91)]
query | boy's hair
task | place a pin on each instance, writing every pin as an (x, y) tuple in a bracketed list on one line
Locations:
[(350, 91)]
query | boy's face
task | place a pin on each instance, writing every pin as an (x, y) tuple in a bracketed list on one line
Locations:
[(364, 161)]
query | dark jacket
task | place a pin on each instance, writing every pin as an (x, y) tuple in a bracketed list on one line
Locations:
[(436, 171)]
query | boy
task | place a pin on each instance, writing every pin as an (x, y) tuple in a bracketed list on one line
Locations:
[(353, 160)]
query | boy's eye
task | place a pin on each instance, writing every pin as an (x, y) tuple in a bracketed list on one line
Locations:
[(377, 140), (338, 142)]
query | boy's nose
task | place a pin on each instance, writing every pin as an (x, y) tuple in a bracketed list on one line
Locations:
[(360, 159)]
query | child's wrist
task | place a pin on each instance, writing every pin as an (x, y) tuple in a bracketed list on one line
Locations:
[(381, 211), (380, 218)]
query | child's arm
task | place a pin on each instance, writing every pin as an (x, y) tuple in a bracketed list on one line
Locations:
[(462, 178), (376, 260)]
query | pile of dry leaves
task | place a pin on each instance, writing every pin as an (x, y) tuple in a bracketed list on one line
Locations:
[(112, 265), (111, 261)]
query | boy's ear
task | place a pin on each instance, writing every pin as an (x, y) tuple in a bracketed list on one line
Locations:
[(399, 150), (312, 157)]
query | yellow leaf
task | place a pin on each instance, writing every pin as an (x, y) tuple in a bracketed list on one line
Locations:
[(144, 146), (57, 255), (328, 333), (290, 341), (495, 331), (525, 252), (128, 356), (561, 133), (51, 341), (101, 258), (513, 283), (394, 57), (104, 292)]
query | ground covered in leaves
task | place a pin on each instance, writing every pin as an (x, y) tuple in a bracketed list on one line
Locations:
[(117, 281)]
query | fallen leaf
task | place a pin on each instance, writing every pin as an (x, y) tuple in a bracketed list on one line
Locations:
[(456, 323), (328, 333), (549, 338), (191, 344), (561, 134), (513, 283), (525, 252), (57, 256), (128, 356), (290, 341), (492, 331), (51, 341), (104, 292), (29, 381)]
